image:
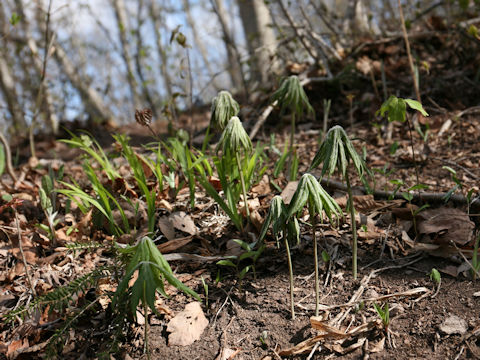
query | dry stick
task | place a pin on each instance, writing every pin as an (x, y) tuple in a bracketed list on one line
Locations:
[(465, 259), (453, 163), (22, 254), (423, 196), (261, 120), (355, 299), (8, 158), (268, 110)]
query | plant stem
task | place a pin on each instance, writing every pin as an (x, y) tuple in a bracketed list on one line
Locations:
[(206, 139), (475, 257), (354, 226), (292, 132), (315, 255), (244, 190), (290, 271), (409, 53), (292, 147), (145, 312)]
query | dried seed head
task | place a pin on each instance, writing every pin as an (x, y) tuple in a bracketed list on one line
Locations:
[(143, 117)]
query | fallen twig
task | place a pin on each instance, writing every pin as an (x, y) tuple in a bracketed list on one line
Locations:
[(421, 196)]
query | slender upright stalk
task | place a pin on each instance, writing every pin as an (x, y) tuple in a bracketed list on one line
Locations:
[(292, 134), (354, 226), (145, 312), (292, 146), (315, 256), (290, 271), (244, 190), (475, 257), (409, 53)]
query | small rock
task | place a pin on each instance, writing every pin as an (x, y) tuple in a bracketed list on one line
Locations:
[(371, 294), (454, 325), (396, 309)]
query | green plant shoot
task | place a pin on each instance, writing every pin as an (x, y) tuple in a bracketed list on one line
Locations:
[(310, 192), (337, 151)]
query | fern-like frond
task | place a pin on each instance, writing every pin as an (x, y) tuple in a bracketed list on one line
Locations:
[(61, 297), (77, 246)]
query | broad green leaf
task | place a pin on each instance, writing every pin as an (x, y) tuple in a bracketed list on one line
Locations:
[(415, 105)]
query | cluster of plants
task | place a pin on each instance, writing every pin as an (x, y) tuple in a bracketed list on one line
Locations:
[(174, 164)]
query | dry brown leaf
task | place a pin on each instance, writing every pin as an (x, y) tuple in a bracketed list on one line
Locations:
[(253, 204), (187, 326), (288, 191), (256, 219), (339, 349), (362, 203), (263, 187), (166, 227), (444, 225), (174, 244), (29, 252), (165, 204), (378, 346), (183, 222), (16, 345)]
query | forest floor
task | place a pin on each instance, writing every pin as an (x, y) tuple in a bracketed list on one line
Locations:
[(251, 319)]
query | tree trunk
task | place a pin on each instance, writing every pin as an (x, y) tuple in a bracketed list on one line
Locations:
[(261, 41), (93, 101), (122, 22), (7, 84), (233, 57), (7, 79), (140, 50), (162, 54), (199, 43), (48, 102)]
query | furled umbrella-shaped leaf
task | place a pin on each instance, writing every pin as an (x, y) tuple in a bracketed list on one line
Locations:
[(235, 140), (336, 152), (310, 192), (224, 107), (291, 95)]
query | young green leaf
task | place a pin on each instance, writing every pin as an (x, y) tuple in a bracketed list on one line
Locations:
[(234, 138), (291, 95), (224, 107)]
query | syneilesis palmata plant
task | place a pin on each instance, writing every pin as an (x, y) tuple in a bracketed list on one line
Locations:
[(224, 106), (277, 217), (235, 141), (336, 151), (291, 95), (310, 192)]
